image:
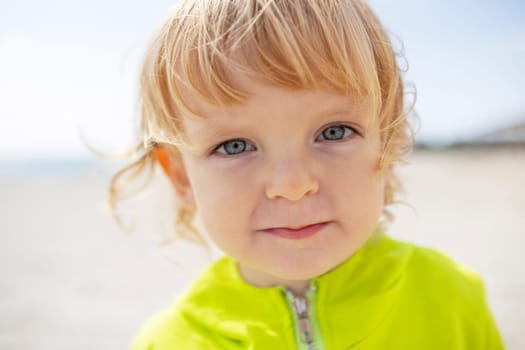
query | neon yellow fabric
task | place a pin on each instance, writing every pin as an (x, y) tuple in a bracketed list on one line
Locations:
[(388, 295)]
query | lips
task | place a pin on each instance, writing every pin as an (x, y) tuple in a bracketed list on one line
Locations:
[(296, 233)]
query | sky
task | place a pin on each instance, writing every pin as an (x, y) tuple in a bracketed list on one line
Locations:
[(67, 66)]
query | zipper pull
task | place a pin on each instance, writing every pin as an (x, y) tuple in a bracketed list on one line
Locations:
[(300, 305)]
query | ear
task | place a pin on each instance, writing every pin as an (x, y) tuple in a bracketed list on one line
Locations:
[(173, 166)]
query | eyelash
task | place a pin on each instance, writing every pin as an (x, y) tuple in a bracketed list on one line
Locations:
[(345, 127), (348, 132), (223, 145)]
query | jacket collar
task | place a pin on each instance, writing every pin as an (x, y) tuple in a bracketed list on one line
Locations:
[(352, 299)]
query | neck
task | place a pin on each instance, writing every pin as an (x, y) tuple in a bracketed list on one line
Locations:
[(263, 280)]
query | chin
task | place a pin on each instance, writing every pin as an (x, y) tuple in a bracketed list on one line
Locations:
[(301, 272)]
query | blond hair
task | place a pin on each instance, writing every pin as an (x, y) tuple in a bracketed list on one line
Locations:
[(297, 44)]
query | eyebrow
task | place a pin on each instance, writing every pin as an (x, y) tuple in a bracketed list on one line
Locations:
[(211, 129)]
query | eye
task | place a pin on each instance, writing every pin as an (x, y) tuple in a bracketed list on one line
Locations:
[(233, 147), (335, 133)]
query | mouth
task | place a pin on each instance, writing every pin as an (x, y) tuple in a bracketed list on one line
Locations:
[(296, 233)]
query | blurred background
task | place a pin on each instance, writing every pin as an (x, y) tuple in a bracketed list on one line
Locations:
[(71, 278)]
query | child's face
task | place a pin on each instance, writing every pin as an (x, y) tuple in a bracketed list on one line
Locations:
[(286, 159)]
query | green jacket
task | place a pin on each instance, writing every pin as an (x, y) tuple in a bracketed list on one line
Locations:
[(388, 295)]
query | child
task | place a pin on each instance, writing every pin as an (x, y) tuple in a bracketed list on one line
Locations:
[(280, 122)]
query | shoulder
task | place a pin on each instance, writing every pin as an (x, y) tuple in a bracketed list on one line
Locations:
[(156, 329), (177, 325), (431, 267), (424, 271), (442, 286), (452, 293)]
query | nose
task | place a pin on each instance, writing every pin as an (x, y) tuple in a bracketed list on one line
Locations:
[(291, 179)]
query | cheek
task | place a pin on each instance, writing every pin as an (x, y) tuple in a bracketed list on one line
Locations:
[(224, 201), (359, 189)]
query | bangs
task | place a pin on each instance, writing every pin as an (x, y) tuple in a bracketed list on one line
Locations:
[(294, 44)]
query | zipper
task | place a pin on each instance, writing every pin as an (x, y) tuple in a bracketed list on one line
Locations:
[(307, 331)]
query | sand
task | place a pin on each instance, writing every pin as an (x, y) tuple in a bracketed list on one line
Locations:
[(71, 279)]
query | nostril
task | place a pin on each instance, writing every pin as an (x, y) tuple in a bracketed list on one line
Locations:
[(292, 190)]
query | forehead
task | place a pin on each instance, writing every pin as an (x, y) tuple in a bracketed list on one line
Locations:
[(266, 100)]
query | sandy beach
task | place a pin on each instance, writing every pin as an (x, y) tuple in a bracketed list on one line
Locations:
[(70, 278)]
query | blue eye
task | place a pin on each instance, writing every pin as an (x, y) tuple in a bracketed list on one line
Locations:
[(335, 133), (233, 147)]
